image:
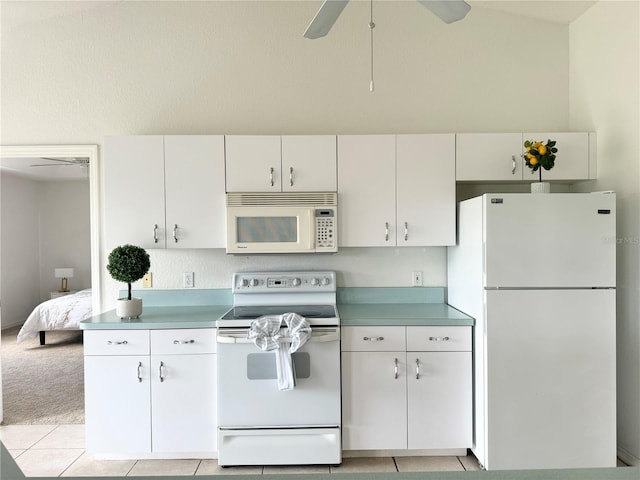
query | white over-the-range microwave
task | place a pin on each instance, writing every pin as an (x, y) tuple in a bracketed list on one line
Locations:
[(288, 222)]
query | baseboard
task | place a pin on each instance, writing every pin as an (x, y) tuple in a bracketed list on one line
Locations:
[(628, 457), (458, 452), (5, 326)]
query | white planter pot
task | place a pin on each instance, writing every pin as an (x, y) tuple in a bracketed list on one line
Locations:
[(128, 308), (541, 187)]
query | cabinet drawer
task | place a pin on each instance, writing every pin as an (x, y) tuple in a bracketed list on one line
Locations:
[(439, 339), (116, 342), (183, 341), (373, 339)]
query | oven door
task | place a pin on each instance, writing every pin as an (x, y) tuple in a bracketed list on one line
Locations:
[(248, 394)]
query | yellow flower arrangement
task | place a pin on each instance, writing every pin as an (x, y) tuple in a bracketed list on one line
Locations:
[(538, 155)]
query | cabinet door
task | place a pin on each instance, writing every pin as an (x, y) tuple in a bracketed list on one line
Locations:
[(309, 163), (366, 188), (117, 404), (439, 400), (572, 159), (184, 403), (195, 187), (374, 401), (134, 191), (489, 157), (426, 190), (253, 163)]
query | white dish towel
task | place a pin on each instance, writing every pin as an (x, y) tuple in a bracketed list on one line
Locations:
[(267, 335)]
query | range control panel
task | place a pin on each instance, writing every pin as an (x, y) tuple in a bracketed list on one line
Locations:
[(267, 282)]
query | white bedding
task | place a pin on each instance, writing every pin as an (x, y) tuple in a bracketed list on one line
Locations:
[(62, 313)]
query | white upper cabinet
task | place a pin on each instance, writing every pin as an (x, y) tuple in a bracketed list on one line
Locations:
[(134, 191), (572, 160), (271, 163), (366, 192), (194, 191), (165, 192), (253, 163), (497, 157), (309, 163), (489, 157), (425, 190), (396, 190)]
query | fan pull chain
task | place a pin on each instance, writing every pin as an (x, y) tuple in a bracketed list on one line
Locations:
[(371, 27)]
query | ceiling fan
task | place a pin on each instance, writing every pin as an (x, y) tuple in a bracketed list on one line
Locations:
[(448, 11), (64, 162)]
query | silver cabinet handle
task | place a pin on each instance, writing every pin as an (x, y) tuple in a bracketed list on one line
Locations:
[(183, 342), (406, 231), (395, 368), (417, 369), (161, 371), (175, 232), (139, 371), (122, 342), (155, 233), (271, 175), (439, 339), (291, 176), (373, 339), (513, 163), (386, 231)]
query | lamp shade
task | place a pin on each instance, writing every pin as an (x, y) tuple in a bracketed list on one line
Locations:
[(64, 272)]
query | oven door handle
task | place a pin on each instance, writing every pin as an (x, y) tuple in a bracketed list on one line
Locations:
[(332, 335)]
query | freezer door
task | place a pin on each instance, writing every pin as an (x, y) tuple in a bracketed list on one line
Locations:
[(552, 240), (549, 379)]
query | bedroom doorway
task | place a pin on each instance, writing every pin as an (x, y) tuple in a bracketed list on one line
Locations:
[(22, 157)]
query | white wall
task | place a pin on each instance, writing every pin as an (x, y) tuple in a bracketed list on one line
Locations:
[(605, 97), (64, 234), (20, 257), (78, 72), (44, 225), (244, 67)]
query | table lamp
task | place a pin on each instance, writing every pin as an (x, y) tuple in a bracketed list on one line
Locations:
[(64, 274)]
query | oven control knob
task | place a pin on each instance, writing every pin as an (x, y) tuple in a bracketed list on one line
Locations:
[(326, 281), (315, 281), (245, 282), (295, 282), (254, 282)]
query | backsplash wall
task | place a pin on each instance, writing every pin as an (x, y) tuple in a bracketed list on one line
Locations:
[(355, 267)]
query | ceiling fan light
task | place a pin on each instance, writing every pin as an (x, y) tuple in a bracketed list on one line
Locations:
[(448, 11)]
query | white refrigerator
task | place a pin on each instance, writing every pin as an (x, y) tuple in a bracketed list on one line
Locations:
[(538, 274)]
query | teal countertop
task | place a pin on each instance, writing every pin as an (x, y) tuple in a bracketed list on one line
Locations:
[(203, 316), (164, 309), (401, 314)]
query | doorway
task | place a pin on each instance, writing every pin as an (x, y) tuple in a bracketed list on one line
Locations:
[(90, 153)]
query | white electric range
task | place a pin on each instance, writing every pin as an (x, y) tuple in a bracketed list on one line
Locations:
[(258, 424)]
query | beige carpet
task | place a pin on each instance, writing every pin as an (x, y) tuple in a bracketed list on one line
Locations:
[(42, 384)]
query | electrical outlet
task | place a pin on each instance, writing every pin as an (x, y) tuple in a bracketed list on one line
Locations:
[(146, 280), (187, 279), (417, 279)]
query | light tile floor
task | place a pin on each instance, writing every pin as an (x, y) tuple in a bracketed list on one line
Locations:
[(58, 451)]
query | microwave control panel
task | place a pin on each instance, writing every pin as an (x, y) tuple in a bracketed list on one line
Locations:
[(326, 240)]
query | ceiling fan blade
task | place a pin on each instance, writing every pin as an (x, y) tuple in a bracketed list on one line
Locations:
[(325, 18), (70, 164), (448, 11)]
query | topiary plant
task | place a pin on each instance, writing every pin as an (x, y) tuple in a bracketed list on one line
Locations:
[(128, 263)]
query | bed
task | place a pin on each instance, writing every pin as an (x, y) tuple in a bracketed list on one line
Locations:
[(62, 313)]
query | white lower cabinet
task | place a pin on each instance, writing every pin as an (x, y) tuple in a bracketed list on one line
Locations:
[(398, 398), (157, 403)]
